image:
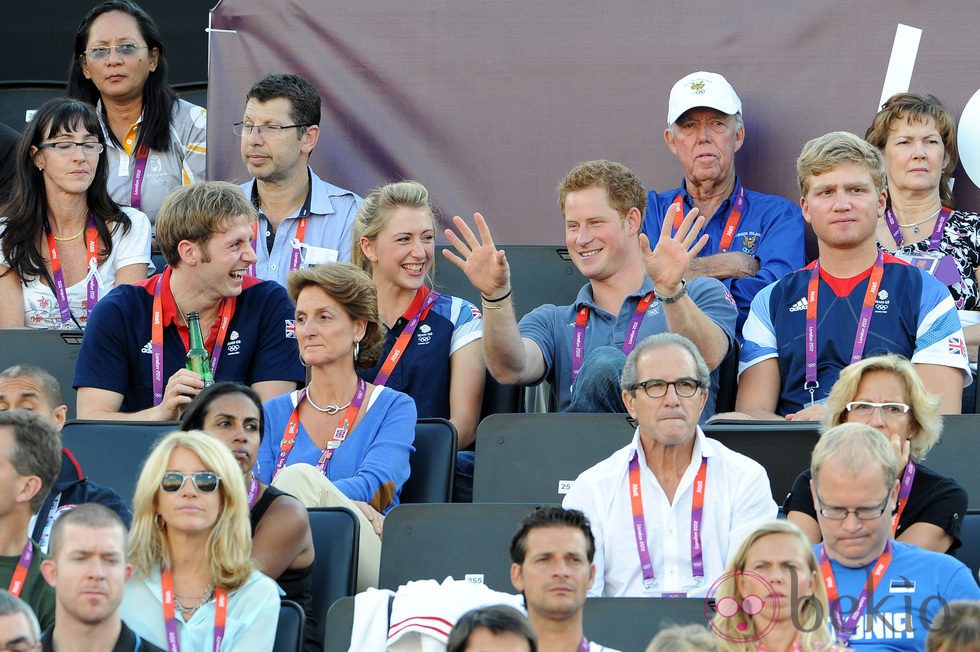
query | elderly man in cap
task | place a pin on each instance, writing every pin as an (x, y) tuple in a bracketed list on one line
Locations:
[(754, 238)]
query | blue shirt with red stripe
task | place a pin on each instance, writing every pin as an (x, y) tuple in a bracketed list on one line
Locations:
[(116, 354)]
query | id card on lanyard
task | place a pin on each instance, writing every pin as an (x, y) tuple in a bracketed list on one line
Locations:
[(339, 435), (225, 312), (582, 319), (170, 613), (414, 317), (296, 258), (639, 526), (847, 626), (731, 225), (811, 384), (60, 288)]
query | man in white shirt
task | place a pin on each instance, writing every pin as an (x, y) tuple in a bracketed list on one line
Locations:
[(669, 509)]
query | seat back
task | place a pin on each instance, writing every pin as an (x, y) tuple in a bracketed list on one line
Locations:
[(955, 454), (291, 626), (432, 464), (728, 380), (53, 351), (20, 99), (467, 541), (335, 532), (969, 552), (630, 623), (111, 453)]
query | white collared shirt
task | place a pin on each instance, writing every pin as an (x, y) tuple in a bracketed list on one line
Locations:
[(737, 499)]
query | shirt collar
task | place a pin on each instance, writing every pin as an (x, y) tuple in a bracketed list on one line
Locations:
[(585, 297), (723, 207)]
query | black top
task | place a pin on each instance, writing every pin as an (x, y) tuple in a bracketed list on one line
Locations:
[(934, 499), (295, 582), (128, 641)]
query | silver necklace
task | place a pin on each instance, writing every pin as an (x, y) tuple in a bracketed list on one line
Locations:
[(190, 611), (916, 224), (329, 409)]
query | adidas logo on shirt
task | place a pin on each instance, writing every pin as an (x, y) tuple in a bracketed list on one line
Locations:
[(147, 348), (799, 305)]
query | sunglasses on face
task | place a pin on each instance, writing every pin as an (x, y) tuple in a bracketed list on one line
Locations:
[(204, 481)]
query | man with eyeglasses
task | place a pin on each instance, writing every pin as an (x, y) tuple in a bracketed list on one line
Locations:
[(303, 220), (19, 629), (883, 594), (669, 509), (30, 456)]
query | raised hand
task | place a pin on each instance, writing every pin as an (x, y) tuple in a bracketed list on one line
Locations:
[(667, 262), (484, 265)]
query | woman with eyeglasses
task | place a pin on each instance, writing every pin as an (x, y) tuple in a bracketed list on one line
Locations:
[(886, 392), (64, 243), (282, 544), (156, 141), (194, 586)]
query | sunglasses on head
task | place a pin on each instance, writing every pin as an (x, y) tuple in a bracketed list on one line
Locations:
[(204, 481)]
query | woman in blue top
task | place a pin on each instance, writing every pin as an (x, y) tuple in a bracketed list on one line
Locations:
[(340, 440)]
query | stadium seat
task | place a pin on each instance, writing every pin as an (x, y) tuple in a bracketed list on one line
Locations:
[(467, 541), (335, 531), (289, 631), (112, 452), (728, 380), (432, 464), (501, 399), (517, 460), (340, 622), (955, 454), (193, 92), (969, 552), (53, 351), (630, 623), (19, 100)]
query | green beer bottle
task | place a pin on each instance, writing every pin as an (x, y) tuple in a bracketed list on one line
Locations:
[(198, 359)]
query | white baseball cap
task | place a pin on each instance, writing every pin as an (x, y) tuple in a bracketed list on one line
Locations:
[(702, 89)]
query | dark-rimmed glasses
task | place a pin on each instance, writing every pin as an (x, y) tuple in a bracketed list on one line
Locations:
[(246, 129), (68, 147), (204, 481), (657, 387), (863, 513)]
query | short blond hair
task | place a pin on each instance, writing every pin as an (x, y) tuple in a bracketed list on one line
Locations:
[(858, 446), (623, 188), (825, 153), (196, 212), (228, 551)]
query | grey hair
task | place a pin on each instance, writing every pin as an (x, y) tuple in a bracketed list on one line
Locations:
[(10, 604), (50, 385), (629, 379), (858, 446)]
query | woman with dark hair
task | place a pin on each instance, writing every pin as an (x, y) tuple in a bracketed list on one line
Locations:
[(282, 544), (340, 440), (194, 586), (156, 142), (63, 242)]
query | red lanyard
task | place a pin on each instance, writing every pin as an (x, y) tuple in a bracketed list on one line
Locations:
[(170, 615), (937, 231), (20, 573), (846, 626), (863, 327), (339, 435), (296, 258), (424, 298), (139, 169), (639, 524), (582, 319), (60, 288), (731, 225), (225, 311), (903, 493)]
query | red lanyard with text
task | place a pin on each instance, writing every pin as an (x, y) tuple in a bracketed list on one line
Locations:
[(863, 327), (225, 312), (296, 259), (582, 318), (639, 525), (937, 231), (731, 225), (847, 626), (339, 435), (20, 573), (170, 614), (414, 317), (139, 169), (903, 493), (60, 288)]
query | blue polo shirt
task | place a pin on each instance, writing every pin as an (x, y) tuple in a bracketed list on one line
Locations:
[(116, 354), (422, 372), (329, 226), (914, 315), (552, 328), (913, 590), (770, 230)]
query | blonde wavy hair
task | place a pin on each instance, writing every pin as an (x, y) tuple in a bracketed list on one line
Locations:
[(228, 550), (815, 634), (927, 423)]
